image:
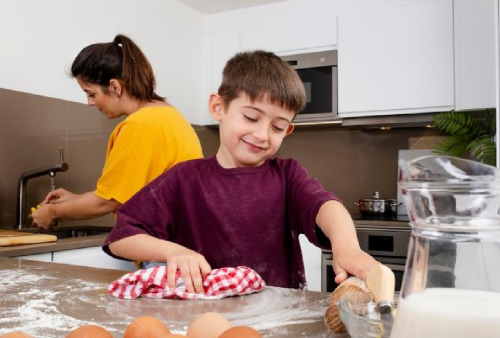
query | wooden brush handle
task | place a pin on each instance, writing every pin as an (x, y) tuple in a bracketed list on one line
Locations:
[(381, 282)]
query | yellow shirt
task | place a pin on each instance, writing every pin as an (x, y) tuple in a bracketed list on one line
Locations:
[(144, 145)]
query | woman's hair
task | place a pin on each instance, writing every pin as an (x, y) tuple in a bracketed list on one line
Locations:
[(262, 75), (122, 60)]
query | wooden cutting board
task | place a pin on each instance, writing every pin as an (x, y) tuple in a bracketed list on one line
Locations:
[(9, 237)]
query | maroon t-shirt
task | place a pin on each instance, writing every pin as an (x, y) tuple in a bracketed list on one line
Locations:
[(249, 216)]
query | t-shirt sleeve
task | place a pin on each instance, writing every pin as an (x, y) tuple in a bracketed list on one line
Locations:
[(305, 197), (127, 165), (147, 212)]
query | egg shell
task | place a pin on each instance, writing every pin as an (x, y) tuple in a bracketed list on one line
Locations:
[(17, 334), (241, 331), (89, 331), (146, 327), (208, 325)]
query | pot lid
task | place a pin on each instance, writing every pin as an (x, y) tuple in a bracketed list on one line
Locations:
[(377, 197)]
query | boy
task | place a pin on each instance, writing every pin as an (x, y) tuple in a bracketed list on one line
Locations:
[(240, 207)]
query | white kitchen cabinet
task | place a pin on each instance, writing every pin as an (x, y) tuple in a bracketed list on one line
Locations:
[(92, 257), (396, 60), (44, 257), (281, 38), (474, 23), (312, 263), (291, 36)]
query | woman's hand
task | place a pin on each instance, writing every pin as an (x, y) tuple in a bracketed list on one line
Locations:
[(352, 262), (193, 268), (43, 216), (59, 196)]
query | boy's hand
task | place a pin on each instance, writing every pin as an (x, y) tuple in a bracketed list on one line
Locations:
[(193, 267), (353, 262)]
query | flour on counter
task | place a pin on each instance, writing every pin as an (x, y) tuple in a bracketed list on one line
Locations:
[(36, 311), (50, 306)]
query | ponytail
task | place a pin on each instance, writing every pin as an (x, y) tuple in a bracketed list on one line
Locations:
[(121, 59)]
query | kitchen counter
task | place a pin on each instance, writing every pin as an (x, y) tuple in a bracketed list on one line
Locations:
[(98, 240), (50, 299), (61, 244)]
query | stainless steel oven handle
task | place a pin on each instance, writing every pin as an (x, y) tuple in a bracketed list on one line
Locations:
[(396, 267), (386, 229)]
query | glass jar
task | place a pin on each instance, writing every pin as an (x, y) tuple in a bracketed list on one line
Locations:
[(451, 285)]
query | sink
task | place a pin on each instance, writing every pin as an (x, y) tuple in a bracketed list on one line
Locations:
[(71, 231)]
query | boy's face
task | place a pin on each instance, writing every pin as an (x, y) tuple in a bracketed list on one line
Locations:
[(250, 132)]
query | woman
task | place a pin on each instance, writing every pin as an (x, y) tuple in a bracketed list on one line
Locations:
[(118, 79)]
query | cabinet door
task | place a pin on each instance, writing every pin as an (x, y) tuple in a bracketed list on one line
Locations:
[(312, 263), (292, 36), (474, 54), (396, 60), (92, 257), (44, 257)]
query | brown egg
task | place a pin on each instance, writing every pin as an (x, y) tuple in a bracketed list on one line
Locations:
[(173, 335), (241, 331), (89, 331), (17, 334), (146, 327), (208, 325)]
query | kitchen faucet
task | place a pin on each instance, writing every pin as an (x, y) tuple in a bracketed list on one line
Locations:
[(21, 187)]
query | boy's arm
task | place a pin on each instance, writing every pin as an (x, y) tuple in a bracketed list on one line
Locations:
[(193, 266), (348, 258)]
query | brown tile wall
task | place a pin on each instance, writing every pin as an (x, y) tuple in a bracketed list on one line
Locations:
[(351, 162)]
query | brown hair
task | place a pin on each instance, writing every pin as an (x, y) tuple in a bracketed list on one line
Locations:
[(121, 59), (260, 74)]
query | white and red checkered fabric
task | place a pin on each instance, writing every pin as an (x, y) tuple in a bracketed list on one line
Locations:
[(220, 283)]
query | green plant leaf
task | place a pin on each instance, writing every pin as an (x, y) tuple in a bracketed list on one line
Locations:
[(470, 134), (453, 146), (484, 150), (453, 123)]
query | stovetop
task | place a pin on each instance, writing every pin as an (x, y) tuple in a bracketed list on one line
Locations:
[(396, 218), (401, 221)]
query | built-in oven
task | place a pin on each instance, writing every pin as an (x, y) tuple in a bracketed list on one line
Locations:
[(318, 71), (388, 244)]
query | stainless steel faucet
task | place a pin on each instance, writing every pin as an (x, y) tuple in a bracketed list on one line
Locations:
[(21, 187)]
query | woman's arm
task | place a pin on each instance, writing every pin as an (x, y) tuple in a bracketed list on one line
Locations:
[(348, 258), (193, 266), (84, 206)]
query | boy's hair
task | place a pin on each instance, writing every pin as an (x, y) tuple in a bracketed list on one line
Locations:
[(262, 75)]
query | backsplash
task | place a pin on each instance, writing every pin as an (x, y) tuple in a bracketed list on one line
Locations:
[(350, 162)]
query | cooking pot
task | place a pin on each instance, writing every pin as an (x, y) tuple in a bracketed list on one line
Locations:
[(378, 206)]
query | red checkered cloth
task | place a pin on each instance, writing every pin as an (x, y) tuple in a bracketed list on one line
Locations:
[(220, 283)]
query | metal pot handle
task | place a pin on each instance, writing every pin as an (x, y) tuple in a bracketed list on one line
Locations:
[(356, 203), (396, 204)]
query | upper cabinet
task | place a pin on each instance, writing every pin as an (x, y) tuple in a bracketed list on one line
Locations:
[(424, 56), (474, 54), (394, 56), (291, 36), (396, 60)]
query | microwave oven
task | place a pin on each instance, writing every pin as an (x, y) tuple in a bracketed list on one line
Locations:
[(318, 71)]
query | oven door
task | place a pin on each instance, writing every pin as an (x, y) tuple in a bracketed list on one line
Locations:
[(397, 265), (387, 244)]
